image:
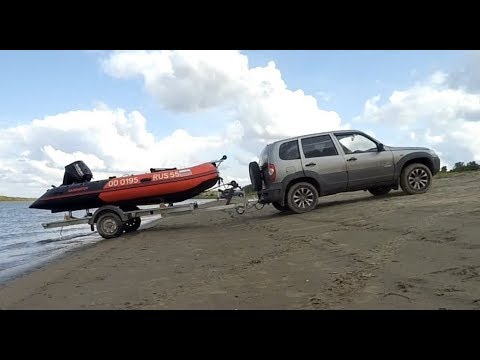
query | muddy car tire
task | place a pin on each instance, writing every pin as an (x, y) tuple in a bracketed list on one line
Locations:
[(279, 207), (416, 179), (380, 190), (302, 197)]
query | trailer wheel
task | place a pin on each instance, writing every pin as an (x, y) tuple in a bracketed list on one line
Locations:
[(132, 224), (109, 225), (240, 209)]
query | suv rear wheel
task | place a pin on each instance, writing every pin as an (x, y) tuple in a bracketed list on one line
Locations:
[(416, 179), (302, 197)]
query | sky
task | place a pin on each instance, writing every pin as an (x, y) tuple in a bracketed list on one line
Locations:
[(123, 112)]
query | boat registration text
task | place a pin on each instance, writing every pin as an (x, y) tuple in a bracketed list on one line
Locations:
[(156, 177)]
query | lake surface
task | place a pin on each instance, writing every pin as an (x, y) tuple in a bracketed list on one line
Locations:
[(25, 244)]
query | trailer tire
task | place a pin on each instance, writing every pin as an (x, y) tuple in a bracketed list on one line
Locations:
[(240, 209), (109, 225), (132, 224)]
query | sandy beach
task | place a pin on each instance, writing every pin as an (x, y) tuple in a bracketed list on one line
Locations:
[(355, 251)]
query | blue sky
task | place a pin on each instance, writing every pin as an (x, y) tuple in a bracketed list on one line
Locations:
[(37, 84)]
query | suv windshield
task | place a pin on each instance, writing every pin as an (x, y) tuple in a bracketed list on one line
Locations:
[(355, 143)]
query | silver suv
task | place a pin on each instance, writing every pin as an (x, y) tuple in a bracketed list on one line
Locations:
[(291, 174)]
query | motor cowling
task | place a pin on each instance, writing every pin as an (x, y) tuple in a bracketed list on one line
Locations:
[(77, 172)]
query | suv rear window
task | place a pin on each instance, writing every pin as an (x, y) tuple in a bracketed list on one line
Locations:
[(289, 150), (264, 156), (318, 146)]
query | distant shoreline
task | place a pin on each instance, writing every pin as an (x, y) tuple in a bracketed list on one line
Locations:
[(11, 198)]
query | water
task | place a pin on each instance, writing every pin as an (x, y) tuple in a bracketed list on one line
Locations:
[(25, 244)]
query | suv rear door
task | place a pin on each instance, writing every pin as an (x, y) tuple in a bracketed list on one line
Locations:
[(322, 160), (365, 164), (286, 160)]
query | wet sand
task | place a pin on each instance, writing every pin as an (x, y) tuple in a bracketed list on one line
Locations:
[(355, 251)]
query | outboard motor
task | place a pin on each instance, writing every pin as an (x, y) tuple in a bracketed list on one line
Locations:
[(76, 172)]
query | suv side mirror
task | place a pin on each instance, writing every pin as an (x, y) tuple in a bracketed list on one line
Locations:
[(380, 147)]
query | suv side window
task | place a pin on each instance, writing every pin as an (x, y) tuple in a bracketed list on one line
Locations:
[(318, 146), (289, 150), (355, 143)]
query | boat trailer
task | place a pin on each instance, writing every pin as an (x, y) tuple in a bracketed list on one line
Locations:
[(111, 221)]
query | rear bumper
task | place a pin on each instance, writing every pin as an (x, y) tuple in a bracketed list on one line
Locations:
[(273, 194)]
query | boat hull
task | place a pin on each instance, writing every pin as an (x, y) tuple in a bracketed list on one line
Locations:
[(167, 186)]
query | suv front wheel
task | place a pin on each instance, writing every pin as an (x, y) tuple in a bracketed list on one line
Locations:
[(302, 197), (416, 179)]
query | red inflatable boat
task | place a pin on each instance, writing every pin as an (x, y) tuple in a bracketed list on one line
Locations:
[(167, 185)]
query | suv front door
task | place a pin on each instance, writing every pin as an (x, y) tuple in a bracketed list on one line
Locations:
[(322, 161), (366, 165)]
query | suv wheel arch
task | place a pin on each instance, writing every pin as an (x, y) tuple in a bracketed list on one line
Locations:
[(421, 158)]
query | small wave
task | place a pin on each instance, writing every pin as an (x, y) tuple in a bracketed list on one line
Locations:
[(9, 264), (63, 238), (14, 246)]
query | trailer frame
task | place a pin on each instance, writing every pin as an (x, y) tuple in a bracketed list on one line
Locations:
[(111, 221)]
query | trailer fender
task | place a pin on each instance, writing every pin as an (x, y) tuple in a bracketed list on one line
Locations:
[(108, 208)]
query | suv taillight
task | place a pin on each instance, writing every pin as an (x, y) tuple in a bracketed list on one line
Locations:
[(271, 172)]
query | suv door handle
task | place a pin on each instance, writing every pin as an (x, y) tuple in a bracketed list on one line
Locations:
[(311, 164), (352, 159)]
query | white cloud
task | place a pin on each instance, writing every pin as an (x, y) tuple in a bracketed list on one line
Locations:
[(438, 78), (432, 113), (468, 134), (259, 107), (61, 158), (324, 96), (433, 139), (110, 142), (100, 105), (263, 107), (441, 112), (426, 103)]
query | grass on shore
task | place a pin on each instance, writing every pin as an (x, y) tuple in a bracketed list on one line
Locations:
[(10, 198), (451, 174)]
